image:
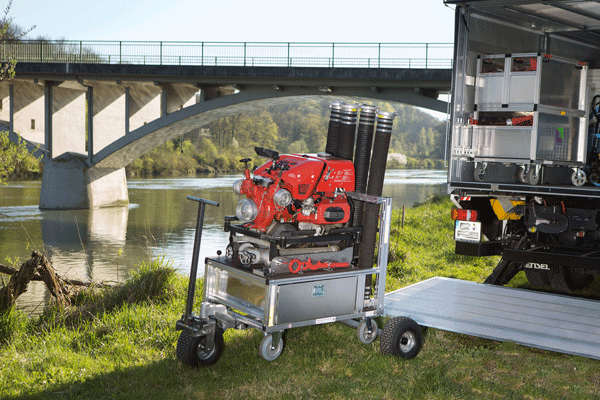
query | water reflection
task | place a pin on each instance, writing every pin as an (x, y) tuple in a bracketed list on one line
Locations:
[(106, 244), (84, 239)]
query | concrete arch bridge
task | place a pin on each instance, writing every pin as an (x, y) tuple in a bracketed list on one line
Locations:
[(126, 110)]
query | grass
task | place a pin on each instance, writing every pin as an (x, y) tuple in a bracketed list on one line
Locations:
[(121, 344)]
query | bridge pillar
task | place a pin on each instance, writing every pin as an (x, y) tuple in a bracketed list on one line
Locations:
[(68, 181)]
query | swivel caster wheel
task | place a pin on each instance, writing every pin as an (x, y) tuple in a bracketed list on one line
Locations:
[(532, 176), (193, 350), (578, 177), (271, 346), (365, 333), (480, 171)]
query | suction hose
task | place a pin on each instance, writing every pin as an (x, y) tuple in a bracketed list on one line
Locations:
[(347, 131), (333, 131), (370, 218), (362, 156)]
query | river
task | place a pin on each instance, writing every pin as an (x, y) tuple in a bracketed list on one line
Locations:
[(106, 244)]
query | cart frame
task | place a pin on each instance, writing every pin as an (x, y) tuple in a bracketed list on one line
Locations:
[(234, 297)]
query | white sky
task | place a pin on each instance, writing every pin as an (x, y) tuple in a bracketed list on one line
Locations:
[(234, 20), (400, 21)]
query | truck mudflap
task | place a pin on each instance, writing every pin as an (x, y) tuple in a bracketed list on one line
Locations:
[(547, 258), (479, 249)]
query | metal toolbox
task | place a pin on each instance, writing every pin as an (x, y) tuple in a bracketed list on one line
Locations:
[(528, 81), (276, 304)]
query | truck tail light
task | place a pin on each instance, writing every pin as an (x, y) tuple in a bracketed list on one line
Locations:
[(463, 215)]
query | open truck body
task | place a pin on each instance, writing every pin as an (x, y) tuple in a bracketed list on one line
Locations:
[(524, 169)]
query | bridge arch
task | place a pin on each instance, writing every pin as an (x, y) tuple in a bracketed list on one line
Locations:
[(147, 137)]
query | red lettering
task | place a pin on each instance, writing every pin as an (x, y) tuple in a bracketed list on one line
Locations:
[(308, 265)]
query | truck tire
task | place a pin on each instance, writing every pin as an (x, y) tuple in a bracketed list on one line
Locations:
[(568, 280), (537, 277)]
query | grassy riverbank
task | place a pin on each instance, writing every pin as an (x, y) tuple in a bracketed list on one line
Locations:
[(122, 345)]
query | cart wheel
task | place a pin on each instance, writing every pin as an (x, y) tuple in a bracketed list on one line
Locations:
[(595, 178), (480, 172), (364, 335), (267, 351), (578, 177), (520, 174), (190, 350), (401, 337), (533, 175)]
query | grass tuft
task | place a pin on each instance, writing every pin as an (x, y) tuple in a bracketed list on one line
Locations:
[(153, 282)]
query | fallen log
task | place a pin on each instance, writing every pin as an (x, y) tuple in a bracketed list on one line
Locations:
[(74, 282), (38, 268)]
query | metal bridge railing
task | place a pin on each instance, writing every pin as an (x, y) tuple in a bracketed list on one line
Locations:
[(257, 54)]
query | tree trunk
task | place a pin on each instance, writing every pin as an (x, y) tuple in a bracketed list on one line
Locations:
[(37, 268)]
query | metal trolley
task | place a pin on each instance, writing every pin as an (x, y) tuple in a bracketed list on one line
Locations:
[(235, 297)]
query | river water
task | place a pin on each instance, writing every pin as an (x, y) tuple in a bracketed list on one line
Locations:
[(106, 244)]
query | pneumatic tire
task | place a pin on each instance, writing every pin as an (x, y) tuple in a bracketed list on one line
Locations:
[(401, 337), (190, 349)]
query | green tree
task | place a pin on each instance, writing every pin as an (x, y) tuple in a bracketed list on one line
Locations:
[(9, 31), (16, 159)]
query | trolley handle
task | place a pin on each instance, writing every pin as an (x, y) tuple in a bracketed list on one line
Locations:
[(195, 255), (199, 200)]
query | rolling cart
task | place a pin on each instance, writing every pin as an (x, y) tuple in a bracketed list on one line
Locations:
[(243, 298)]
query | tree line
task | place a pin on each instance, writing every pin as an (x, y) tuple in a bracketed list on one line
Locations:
[(300, 127)]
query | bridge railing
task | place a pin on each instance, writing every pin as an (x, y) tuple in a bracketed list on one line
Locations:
[(257, 54)]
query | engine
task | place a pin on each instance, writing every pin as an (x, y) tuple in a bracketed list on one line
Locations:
[(307, 192), (297, 196)]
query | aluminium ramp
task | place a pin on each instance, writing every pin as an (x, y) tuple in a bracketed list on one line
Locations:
[(545, 321)]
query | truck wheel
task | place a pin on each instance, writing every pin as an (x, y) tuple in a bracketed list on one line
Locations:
[(364, 335), (401, 337), (190, 350), (568, 280), (537, 277)]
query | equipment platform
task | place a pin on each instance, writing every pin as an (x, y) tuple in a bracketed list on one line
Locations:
[(541, 320)]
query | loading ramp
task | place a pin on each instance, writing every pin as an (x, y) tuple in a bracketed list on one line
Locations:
[(541, 320)]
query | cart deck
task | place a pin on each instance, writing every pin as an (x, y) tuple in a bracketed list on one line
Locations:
[(541, 320)]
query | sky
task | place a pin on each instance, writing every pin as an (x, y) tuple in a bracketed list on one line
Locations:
[(349, 21), (237, 21)]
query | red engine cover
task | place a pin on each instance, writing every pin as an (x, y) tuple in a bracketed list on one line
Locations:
[(303, 176)]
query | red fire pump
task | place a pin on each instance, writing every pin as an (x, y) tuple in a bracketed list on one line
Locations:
[(296, 189), (292, 196)]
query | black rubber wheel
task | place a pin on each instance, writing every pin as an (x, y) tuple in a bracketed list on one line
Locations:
[(568, 280), (595, 178), (537, 277), (190, 350), (479, 173), (520, 175), (401, 337)]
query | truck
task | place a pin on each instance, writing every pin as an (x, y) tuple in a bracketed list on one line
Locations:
[(524, 139)]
